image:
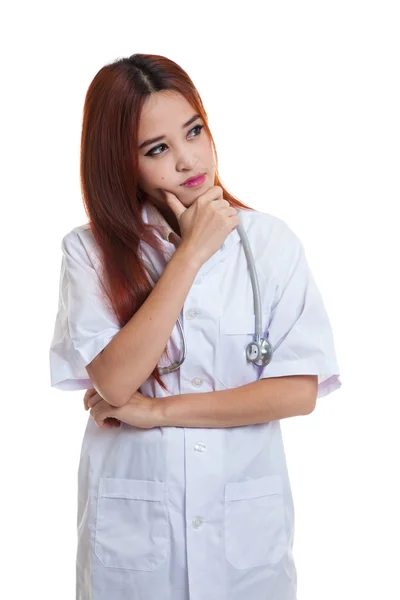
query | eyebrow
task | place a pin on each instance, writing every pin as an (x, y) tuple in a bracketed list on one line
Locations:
[(161, 137)]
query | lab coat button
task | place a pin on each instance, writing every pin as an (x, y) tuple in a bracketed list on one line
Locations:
[(197, 382), (200, 447), (191, 313), (197, 522)]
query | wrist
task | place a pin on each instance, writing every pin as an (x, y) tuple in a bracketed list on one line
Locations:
[(158, 411), (161, 410), (190, 256)]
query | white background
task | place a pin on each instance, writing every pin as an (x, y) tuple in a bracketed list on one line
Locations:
[(303, 100)]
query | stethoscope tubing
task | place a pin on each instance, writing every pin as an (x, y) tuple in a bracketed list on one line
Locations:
[(257, 304)]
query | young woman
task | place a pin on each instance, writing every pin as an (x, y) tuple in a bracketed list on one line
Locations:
[(183, 485)]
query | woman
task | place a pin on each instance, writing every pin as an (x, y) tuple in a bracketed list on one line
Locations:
[(183, 484)]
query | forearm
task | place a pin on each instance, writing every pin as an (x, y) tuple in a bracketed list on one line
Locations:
[(259, 402), (131, 356)]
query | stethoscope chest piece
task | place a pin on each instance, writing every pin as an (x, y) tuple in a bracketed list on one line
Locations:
[(260, 353)]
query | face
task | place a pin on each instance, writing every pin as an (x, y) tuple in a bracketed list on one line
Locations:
[(183, 151)]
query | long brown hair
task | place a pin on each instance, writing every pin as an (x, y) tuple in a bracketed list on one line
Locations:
[(109, 172)]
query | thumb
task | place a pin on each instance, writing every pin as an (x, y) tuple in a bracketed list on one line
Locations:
[(174, 204)]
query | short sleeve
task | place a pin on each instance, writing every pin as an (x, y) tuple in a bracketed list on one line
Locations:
[(299, 327), (84, 323)]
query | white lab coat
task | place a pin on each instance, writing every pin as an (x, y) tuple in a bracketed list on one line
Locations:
[(175, 513)]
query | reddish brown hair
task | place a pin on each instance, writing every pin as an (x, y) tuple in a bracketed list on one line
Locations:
[(109, 172)]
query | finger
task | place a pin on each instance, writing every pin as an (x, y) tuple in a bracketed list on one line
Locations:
[(101, 411), (95, 399), (95, 414), (86, 401), (88, 394), (174, 203)]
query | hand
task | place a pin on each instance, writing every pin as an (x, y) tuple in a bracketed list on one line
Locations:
[(206, 223), (90, 399), (140, 411)]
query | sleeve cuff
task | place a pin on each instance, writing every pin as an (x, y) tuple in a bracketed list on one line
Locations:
[(328, 373)]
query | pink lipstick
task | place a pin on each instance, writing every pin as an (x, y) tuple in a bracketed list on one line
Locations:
[(195, 182)]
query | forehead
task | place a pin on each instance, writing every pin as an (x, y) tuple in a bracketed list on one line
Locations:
[(164, 110)]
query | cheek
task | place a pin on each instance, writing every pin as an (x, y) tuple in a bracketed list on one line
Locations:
[(207, 150), (152, 176)]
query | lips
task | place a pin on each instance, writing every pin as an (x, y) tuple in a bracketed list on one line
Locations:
[(193, 178)]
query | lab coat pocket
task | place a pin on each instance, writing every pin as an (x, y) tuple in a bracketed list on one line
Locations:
[(236, 331), (255, 527), (131, 524)]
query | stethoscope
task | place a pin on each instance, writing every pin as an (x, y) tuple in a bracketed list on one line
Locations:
[(260, 350)]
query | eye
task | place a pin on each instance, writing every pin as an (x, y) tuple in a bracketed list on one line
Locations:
[(153, 152)]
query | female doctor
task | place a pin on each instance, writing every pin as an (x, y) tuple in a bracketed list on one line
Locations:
[(183, 488)]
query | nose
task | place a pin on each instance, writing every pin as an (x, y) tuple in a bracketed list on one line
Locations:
[(186, 161)]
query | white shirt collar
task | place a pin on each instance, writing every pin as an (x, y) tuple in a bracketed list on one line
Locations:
[(155, 217)]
